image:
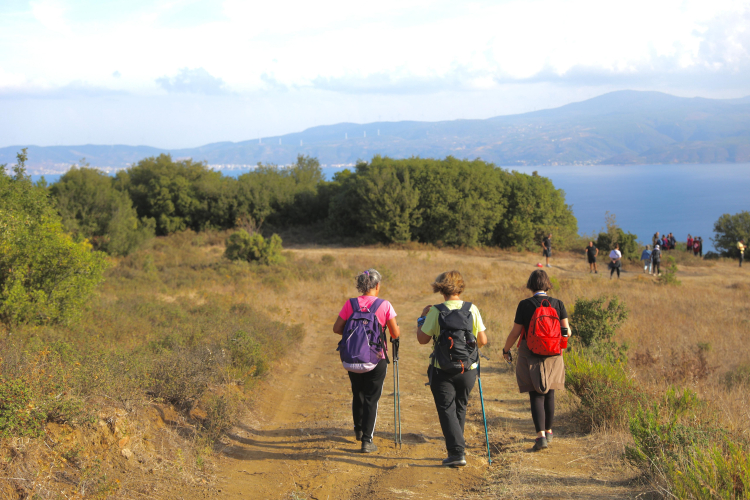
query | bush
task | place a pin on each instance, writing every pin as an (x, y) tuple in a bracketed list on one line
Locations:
[(628, 241), (45, 276), (595, 324), (676, 443), (606, 394), (244, 246), (18, 414), (669, 276)]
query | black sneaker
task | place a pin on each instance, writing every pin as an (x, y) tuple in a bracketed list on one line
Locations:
[(540, 444), (455, 460), (548, 437), (369, 447), (358, 434)]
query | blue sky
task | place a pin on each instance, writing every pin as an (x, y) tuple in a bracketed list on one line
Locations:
[(180, 73)]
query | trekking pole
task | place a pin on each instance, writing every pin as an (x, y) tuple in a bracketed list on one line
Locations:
[(484, 416), (396, 396)]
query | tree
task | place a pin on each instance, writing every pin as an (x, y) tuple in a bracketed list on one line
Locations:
[(93, 209), (535, 209), (179, 194), (45, 275), (729, 229), (461, 201), (615, 235), (388, 203)]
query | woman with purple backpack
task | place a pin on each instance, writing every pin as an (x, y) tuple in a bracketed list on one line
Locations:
[(363, 349)]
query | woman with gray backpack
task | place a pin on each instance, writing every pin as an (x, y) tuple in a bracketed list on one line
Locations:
[(363, 351), (457, 330)]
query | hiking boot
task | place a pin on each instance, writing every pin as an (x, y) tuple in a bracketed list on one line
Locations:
[(358, 434), (455, 461), (369, 447), (540, 444)]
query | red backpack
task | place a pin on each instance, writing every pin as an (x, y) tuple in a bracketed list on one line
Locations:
[(544, 336)]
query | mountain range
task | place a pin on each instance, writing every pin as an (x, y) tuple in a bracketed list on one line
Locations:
[(623, 127)]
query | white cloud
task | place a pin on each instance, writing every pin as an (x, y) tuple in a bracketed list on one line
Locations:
[(51, 14), (193, 81)]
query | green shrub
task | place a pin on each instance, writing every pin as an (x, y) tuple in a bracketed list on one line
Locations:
[(606, 394), (45, 276), (669, 275), (678, 444), (719, 472), (657, 432), (247, 353), (244, 246), (19, 416), (596, 323)]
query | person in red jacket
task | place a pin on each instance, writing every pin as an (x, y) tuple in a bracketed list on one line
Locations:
[(690, 243)]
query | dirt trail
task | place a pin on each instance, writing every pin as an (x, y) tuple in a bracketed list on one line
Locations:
[(297, 443)]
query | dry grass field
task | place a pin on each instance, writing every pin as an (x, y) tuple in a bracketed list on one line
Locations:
[(179, 304)]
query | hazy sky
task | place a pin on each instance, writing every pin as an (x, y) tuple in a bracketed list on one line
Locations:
[(181, 73)]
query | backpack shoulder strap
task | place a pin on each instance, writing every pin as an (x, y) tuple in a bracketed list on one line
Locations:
[(375, 305), (466, 306), (355, 305), (441, 307)]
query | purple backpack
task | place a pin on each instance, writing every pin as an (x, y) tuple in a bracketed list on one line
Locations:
[(362, 347)]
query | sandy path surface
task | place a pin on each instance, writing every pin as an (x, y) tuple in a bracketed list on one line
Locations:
[(297, 442)]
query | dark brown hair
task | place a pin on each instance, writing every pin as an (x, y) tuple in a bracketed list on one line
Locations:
[(449, 283), (538, 281)]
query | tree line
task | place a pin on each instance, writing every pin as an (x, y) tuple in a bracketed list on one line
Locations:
[(446, 202)]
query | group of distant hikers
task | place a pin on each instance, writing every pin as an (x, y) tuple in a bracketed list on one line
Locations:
[(457, 333)]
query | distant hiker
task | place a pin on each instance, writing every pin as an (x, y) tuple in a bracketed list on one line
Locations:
[(541, 324), (547, 247), (656, 261), (591, 252), (672, 241), (615, 263), (700, 246), (457, 332), (656, 240), (696, 246), (741, 248), (646, 259), (363, 351), (689, 243), (665, 243)]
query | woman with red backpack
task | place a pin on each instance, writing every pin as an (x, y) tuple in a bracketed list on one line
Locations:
[(541, 323), (458, 332), (363, 351)]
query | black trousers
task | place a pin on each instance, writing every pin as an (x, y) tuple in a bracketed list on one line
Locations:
[(451, 394), (742, 257), (366, 390), (542, 409)]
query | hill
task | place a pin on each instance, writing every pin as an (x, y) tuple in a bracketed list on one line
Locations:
[(624, 127)]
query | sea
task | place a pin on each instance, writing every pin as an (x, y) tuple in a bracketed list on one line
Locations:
[(682, 199)]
